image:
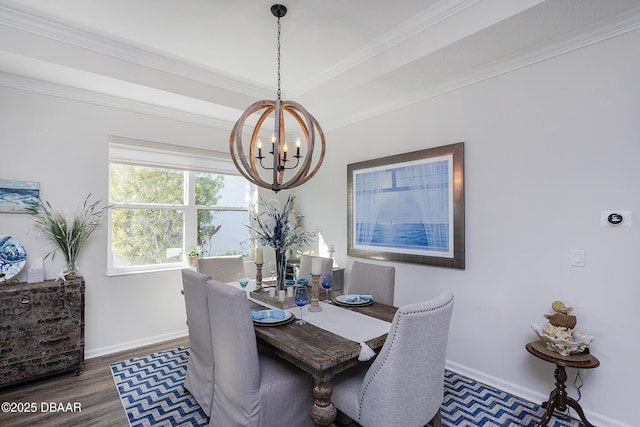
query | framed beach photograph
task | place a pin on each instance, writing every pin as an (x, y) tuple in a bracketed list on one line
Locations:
[(409, 207), (19, 196)]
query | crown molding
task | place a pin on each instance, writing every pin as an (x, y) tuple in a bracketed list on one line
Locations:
[(84, 40), (421, 22), (610, 29), (67, 92)]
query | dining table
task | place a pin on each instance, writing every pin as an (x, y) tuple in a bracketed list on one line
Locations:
[(318, 351)]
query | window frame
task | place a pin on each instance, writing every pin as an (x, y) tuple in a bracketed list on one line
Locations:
[(190, 161)]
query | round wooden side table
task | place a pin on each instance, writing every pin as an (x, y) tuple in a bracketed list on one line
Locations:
[(558, 398)]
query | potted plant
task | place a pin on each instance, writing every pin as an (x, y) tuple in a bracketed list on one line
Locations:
[(193, 256), (69, 232)]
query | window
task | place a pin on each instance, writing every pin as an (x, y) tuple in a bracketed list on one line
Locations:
[(167, 199)]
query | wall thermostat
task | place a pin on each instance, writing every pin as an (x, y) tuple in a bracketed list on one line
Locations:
[(615, 218)]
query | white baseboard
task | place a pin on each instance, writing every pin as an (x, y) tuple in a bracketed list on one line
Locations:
[(134, 344), (527, 394)]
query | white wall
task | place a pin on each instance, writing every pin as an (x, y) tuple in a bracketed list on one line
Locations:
[(64, 145), (546, 149)]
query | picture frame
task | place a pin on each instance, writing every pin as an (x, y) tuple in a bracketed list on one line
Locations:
[(409, 207), (19, 196)]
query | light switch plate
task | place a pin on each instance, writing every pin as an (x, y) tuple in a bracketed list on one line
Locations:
[(577, 257)]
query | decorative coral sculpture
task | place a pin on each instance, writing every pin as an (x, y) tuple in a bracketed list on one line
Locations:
[(559, 335), (562, 340)]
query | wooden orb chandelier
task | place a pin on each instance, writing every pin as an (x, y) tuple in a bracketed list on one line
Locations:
[(281, 171)]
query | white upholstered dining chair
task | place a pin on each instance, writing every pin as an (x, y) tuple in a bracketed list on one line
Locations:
[(251, 389), (200, 366), (305, 266), (404, 386), (375, 279), (221, 268)]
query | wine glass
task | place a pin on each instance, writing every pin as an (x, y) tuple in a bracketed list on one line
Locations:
[(301, 297), (327, 281), (272, 268), (243, 279)]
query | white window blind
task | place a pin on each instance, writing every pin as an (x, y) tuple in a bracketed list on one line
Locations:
[(156, 154)]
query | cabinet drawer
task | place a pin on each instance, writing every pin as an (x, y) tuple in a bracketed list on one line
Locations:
[(39, 367), (24, 306), (33, 343)]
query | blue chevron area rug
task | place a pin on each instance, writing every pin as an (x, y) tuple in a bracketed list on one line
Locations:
[(150, 388), (470, 403)]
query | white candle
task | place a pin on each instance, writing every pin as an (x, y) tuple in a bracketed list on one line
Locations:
[(316, 266), (259, 255), (331, 248)]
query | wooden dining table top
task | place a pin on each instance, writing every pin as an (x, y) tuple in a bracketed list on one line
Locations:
[(313, 349)]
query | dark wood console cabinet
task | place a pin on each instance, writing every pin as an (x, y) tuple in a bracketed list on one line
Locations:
[(41, 329)]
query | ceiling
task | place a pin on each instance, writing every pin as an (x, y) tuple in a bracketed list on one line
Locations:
[(205, 61)]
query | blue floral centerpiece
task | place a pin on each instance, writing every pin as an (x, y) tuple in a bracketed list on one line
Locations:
[(282, 230)]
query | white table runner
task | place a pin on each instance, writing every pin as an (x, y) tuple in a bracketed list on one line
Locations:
[(348, 324)]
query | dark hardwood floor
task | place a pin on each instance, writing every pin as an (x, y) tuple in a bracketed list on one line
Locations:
[(93, 391)]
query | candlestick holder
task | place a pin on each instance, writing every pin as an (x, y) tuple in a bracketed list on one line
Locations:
[(315, 293), (258, 277), (333, 260)]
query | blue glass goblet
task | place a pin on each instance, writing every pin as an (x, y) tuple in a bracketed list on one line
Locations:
[(243, 279), (327, 282), (301, 296)]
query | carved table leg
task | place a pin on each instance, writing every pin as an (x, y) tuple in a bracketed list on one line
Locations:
[(550, 405), (323, 413), (576, 406), (559, 400), (561, 393)]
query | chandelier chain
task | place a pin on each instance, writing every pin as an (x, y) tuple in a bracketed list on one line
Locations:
[(279, 57)]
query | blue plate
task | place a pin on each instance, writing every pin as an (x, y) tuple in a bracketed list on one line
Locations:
[(13, 257)]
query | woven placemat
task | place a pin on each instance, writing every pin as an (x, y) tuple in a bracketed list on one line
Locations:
[(575, 357)]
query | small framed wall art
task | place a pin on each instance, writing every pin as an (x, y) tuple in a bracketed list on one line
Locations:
[(19, 196)]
